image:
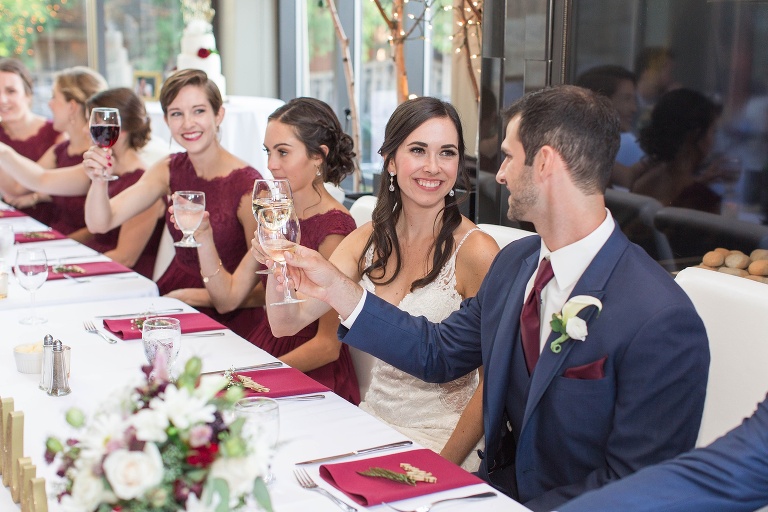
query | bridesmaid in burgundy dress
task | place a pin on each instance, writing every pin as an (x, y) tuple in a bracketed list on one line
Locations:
[(71, 88), (134, 243), (193, 111), (29, 134), (306, 146)]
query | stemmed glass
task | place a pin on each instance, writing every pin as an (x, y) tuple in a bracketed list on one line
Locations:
[(262, 425), (188, 209), (105, 129), (31, 273), (278, 232), (268, 193), (161, 334)]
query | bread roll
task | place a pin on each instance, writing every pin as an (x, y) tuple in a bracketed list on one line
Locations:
[(759, 254), (713, 259), (737, 259), (759, 268), (733, 271)]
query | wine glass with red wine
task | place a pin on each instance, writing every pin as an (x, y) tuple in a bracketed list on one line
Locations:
[(105, 129)]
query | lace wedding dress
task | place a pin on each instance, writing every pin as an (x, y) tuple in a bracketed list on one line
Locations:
[(423, 411)]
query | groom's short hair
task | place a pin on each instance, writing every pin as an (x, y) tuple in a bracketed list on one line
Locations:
[(582, 126)]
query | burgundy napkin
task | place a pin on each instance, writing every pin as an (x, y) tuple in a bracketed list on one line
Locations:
[(8, 214), (190, 322), (369, 491), (38, 236), (99, 268), (283, 382)]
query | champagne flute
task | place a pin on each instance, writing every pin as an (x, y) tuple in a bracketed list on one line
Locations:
[(188, 209), (161, 334), (262, 425), (105, 129), (267, 193), (278, 232), (31, 273)]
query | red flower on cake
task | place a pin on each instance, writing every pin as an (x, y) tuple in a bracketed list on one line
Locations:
[(204, 53)]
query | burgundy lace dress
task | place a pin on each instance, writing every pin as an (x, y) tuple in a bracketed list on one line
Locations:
[(69, 212), (340, 374), (222, 198), (104, 242), (34, 148)]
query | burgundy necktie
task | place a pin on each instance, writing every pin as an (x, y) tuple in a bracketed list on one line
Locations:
[(529, 317)]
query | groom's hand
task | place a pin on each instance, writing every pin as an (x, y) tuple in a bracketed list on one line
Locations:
[(313, 275)]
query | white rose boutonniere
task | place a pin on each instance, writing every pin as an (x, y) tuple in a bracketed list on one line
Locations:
[(568, 324)]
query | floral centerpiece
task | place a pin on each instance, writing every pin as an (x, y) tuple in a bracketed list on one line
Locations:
[(163, 446)]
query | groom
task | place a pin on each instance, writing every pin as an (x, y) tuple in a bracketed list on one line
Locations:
[(557, 422)]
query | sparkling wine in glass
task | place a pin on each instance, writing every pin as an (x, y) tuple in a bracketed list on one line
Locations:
[(31, 273), (279, 232), (105, 129), (268, 193), (188, 209), (161, 334)]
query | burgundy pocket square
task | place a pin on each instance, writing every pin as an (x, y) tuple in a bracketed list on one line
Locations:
[(590, 371)]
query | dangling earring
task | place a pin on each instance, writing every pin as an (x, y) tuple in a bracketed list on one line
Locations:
[(451, 193), (391, 182), (317, 170)]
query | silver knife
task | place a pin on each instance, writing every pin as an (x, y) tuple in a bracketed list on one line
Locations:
[(263, 366), (142, 313), (357, 452)]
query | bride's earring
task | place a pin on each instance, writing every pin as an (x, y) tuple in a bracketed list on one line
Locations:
[(451, 193), (391, 182)]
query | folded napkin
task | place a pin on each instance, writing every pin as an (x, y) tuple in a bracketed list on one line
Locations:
[(38, 236), (126, 329), (8, 214), (283, 382), (98, 268), (369, 491)]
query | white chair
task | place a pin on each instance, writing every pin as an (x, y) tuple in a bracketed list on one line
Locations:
[(362, 209), (504, 234), (734, 310), (363, 363), (165, 253), (336, 191)]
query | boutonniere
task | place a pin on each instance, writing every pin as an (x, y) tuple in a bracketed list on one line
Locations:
[(568, 324), (204, 53)]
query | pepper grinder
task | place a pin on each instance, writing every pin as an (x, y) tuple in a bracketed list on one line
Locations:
[(45, 374), (59, 381)]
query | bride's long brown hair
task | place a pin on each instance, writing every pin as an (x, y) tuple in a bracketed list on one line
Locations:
[(404, 120)]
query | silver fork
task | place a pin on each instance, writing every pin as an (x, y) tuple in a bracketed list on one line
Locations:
[(306, 482), (427, 508), (88, 325)]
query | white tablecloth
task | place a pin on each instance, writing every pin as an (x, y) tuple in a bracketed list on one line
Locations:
[(307, 429), (242, 131)]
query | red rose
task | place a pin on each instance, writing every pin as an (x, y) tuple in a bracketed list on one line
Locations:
[(203, 53), (203, 456)]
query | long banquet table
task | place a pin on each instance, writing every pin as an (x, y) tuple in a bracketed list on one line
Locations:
[(308, 429)]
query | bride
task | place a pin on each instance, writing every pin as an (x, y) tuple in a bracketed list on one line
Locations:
[(420, 253)]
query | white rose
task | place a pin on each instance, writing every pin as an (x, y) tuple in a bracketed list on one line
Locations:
[(131, 474), (576, 328), (150, 425), (87, 493)]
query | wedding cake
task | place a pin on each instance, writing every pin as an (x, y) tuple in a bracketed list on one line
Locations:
[(119, 69), (198, 44)]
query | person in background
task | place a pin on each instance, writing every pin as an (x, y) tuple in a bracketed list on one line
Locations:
[(135, 242), (27, 133), (71, 88), (619, 85), (654, 69), (568, 406), (677, 141), (306, 145), (193, 109), (420, 254), (729, 475)]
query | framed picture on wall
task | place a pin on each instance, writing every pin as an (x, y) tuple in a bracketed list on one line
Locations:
[(147, 84)]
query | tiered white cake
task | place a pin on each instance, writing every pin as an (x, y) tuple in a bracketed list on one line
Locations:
[(119, 69), (198, 51)]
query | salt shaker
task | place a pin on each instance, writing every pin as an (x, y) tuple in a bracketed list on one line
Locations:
[(47, 369), (59, 381)]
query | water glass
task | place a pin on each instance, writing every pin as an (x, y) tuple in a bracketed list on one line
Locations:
[(262, 425), (7, 239), (188, 210), (161, 334)]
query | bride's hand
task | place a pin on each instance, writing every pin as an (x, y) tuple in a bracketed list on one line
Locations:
[(98, 163)]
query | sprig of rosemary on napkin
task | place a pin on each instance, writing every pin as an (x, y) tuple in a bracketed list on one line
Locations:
[(68, 269), (389, 475)]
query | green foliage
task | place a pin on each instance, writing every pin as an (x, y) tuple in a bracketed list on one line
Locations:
[(22, 23)]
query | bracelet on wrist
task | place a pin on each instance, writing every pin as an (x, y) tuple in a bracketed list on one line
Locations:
[(208, 278)]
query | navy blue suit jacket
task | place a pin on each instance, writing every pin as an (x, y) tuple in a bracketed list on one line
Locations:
[(729, 475), (550, 438)]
